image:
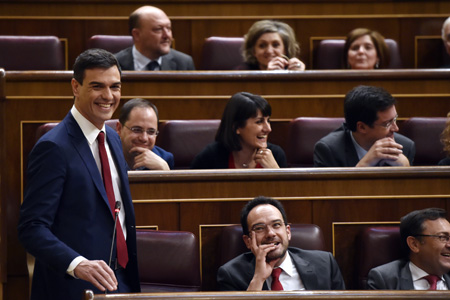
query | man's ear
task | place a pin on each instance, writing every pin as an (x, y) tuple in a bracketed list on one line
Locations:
[(288, 231), (135, 33), (75, 87), (247, 241), (118, 127), (361, 127), (413, 244)]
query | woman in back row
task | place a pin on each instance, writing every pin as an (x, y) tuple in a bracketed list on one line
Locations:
[(365, 49), (241, 140), (271, 45)]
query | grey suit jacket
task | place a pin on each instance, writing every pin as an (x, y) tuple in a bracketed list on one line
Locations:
[(395, 275), (337, 150), (173, 61), (318, 271)]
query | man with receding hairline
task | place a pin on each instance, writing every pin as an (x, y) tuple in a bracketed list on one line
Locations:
[(151, 30), (272, 264)]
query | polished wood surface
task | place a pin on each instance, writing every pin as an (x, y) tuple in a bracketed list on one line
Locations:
[(203, 95), (222, 7), (190, 31), (307, 295)]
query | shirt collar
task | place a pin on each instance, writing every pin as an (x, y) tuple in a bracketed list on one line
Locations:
[(360, 151), (89, 130), (141, 61), (287, 265), (417, 273)]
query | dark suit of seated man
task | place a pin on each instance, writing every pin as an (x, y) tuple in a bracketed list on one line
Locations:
[(267, 235), (425, 234), (369, 136), (151, 30), (138, 128)]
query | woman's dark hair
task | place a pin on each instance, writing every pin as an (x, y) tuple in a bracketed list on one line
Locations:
[(238, 110)]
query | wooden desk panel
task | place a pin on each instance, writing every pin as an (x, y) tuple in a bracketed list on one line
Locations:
[(203, 95), (272, 295)]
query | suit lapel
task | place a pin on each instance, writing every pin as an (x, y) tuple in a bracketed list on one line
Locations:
[(306, 271), (167, 63), (405, 280), (79, 142), (350, 152)]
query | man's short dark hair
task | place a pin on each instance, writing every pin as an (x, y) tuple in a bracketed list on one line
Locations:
[(412, 223), (238, 110), (260, 200), (91, 59), (363, 104), (136, 102)]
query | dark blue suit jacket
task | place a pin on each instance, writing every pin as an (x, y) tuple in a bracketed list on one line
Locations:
[(65, 212)]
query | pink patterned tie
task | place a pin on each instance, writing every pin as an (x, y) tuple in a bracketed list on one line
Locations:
[(122, 252), (276, 284)]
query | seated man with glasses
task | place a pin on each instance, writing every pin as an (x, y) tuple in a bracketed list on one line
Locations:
[(425, 235), (271, 264), (138, 128), (369, 135)]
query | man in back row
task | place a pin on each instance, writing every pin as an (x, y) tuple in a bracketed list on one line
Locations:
[(369, 136), (425, 234), (271, 264), (151, 30), (138, 129)]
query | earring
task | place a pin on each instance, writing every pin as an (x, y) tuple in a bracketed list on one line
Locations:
[(377, 65)]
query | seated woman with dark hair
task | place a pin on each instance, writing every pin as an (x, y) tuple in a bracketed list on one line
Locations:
[(445, 139), (241, 140), (271, 45), (365, 49)]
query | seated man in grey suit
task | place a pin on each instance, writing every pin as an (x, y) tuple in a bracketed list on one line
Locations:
[(369, 135), (425, 234), (138, 128), (151, 30), (271, 264)]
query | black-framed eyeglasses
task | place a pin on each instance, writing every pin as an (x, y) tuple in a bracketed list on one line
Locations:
[(261, 227), (140, 130), (441, 238), (390, 123)]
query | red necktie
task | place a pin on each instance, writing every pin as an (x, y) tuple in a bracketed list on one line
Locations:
[(276, 284), (432, 280), (122, 252)]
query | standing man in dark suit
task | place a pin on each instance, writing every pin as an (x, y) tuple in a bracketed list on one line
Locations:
[(271, 263), (138, 129), (369, 136), (425, 234), (66, 219), (151, 30)]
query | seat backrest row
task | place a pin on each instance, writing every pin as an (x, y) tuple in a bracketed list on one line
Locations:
[(175, 254), (186, 138), (219, 53)]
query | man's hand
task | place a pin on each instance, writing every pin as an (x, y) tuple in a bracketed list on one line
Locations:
[(98, 273), (263, 269), (384, 149), (147, 158)]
